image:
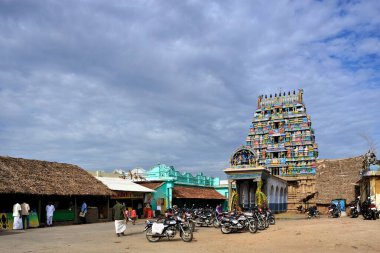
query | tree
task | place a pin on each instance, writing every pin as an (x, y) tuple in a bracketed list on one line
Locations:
[(261, 198), (233, 200)]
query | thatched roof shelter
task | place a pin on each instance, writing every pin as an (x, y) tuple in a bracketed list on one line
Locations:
[(24, 176), (188, 192)]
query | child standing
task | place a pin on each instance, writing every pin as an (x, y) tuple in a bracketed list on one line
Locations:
[(133, 216)]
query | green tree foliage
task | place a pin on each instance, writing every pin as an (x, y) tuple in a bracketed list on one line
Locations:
[(261, 198), (234, 200)]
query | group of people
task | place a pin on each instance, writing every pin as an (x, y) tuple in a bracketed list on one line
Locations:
[(22, 211), (21, 216), (122, 216), (50, 209)]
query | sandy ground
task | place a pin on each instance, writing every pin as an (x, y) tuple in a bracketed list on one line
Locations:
[(288, 235)]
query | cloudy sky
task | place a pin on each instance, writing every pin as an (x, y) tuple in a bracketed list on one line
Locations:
[(124, 84)]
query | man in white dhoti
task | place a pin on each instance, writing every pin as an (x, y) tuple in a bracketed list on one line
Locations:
[(118, 215), (49, 214), (17, 220)]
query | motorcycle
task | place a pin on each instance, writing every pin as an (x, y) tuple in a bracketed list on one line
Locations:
[(312, 212), (354, 208), (334, 211), (169, 228), (260, 217), (239, 223), (203, 218), (218, 219), (369, 210), (270, 217)]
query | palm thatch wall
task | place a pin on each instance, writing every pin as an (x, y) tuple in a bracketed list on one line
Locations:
[(24, 176)]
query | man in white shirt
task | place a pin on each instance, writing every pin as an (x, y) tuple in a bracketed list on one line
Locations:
[(49, 214), (17, 221)]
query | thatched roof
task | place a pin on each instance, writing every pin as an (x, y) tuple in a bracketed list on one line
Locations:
[(150, 185), (35, 177), (188, 192)]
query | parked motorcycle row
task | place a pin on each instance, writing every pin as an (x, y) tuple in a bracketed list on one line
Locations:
[(183, 221), (367, 209), (252, 220)]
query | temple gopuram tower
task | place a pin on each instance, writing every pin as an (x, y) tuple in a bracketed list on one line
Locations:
[(284, 143)]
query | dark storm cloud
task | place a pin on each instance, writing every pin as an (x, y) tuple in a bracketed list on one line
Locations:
[(122, 84)]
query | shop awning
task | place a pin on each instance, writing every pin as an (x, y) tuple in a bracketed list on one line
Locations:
[(119, 184), (188, 192)]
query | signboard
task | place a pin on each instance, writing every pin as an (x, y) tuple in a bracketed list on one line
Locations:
[(128, 195)]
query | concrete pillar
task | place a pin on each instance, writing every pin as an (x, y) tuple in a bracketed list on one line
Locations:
[(170, 197)]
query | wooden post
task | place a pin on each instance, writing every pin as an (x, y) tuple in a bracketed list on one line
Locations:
[(108, 208), (75, 210), (39, 210)]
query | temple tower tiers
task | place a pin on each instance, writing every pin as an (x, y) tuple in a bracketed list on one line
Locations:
[(283, 140)]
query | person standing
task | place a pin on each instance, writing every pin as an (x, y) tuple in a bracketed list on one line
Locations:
[(83, 212), (17, 220), (218, 209), (139, 210), (133, 216), (49, 214), (158, 210), (25, 208), (118, 211)]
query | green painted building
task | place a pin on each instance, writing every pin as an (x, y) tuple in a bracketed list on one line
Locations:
[(175, 188)]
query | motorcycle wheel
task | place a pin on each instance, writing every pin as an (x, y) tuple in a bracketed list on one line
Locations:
[(198, 222), (192, 225), (252, 227), (151, 237), (216, 223), (211, 222), (226, 230), (261, 225), (187, 235), (366, 216), (272, 220), (266, 222)]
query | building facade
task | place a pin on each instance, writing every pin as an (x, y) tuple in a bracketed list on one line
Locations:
[(284, 143), (369, 182), (251, 178), (175, 188)]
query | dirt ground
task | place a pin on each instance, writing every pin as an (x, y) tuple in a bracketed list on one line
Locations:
[(288, 235)]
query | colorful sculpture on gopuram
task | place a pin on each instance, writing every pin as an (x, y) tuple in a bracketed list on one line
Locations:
[(281, 135)]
